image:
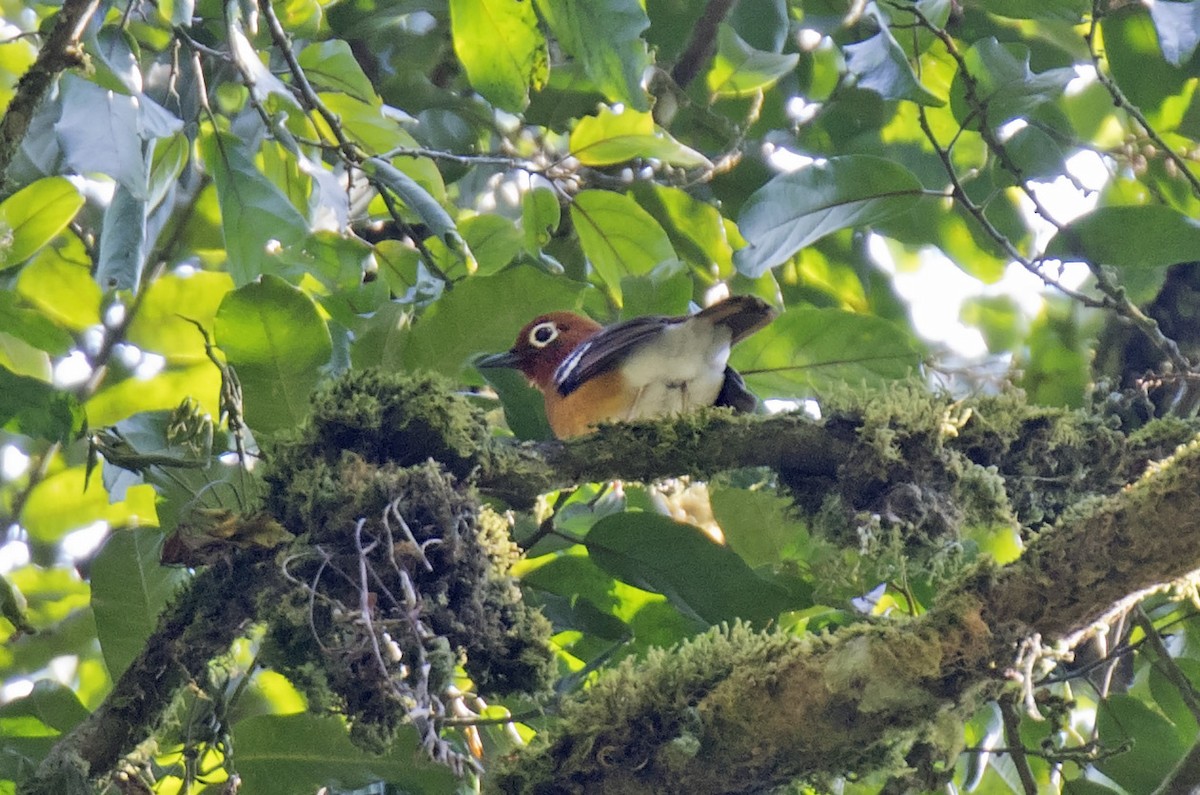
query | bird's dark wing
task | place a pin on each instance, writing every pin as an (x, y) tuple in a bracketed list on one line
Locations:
[(734, 393), (601, 352)]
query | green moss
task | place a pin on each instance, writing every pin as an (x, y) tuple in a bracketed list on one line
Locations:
[(399, 574)]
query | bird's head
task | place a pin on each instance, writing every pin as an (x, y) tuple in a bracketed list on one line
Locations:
[(542, 345)]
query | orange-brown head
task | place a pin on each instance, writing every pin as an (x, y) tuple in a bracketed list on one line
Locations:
[(542, 345)]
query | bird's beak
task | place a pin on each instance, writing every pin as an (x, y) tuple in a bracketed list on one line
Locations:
[(506, 359)]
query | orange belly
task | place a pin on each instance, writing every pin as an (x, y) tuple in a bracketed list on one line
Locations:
[(601, 399)]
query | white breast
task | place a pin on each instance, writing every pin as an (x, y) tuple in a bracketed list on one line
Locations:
[(683, 369)]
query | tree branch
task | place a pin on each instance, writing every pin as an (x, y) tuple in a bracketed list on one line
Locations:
[(59, 53), (738, 711)]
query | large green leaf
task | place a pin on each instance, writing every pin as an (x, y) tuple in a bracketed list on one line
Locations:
[(277, 342), (618, 236), (739, 70), (31, 407), (880, 65), (1106, 236), (699, 576), (466, 320), (605, 36), (62, 288), (1157, 745), (35, 215), (129, 589), (806, 350), (286, 754), (758, 524), (1002, 84), (331, 64), (1178, 26), (254, 212), (123, 242), (797, 209), (501, 48), (611, 137)]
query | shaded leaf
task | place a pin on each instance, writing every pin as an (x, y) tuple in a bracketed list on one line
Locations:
[(739, 70), (1103, 237), (797, 209), (254, 212), (1002, 84), (331, 64), (34, 408), (129, 589), (464, 323), (699, 576), (606, 37), (806, 350), (285, 754), (880, 65)]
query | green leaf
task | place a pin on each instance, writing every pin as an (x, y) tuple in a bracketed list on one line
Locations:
[(758, 524), (797, 209), (1157, 745), (612, 137), (1103, 237), (606, 37), (618, 236), (493, 239), (34, 408), (415, 197), (1135, 57), (1003, 85), (540, 215), (699, 576), (52, 705), (808, 350), (501, 48), (35, 215), (277, 342), (61, 287), (739, 70), (880, 65), (465, 321), (129, 589), (122, 242), (524, 409), (331, 64), (254, 212), (286, 754), (31, 326), (1178, 27), (1042, 10), (163, 324)]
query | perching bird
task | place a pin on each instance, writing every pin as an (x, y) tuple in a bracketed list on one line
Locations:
[(636, 369)]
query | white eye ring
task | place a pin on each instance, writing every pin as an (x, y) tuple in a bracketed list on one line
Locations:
[(543, 334)]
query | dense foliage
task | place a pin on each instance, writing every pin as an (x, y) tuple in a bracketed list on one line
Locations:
[(209, 211)]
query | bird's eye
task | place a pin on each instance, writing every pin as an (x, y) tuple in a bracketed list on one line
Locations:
[(543, 334)]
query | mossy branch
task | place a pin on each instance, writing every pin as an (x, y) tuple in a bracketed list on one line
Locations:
[(199, 624), (738, 711)]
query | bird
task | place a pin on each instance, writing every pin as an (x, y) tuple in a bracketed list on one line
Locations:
[(640, 368)]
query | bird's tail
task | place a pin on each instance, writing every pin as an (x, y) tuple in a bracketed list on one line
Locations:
[(742, 314)]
